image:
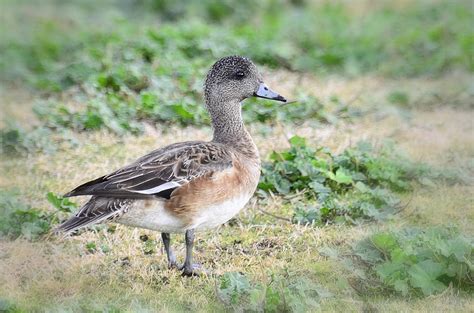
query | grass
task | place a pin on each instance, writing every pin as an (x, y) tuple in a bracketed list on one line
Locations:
[(66, 271), (120, 72), (88, 78)]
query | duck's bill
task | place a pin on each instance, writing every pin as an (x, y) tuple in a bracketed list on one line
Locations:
[(265, 92)]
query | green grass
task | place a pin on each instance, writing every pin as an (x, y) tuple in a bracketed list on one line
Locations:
[(361, 183), (285, 264), (90, 86), (423, 262), (411, 39), (145, 62)]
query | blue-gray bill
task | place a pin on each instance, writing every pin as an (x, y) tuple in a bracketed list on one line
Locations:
[(265, 92)]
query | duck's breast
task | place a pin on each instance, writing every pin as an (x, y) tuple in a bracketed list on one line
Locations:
[(219, 213), (215, 198)]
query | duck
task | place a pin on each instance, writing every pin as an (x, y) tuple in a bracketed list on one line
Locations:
[(191, 186)]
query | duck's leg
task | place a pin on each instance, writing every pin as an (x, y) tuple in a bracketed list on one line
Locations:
[(189, 268), (169, 253)]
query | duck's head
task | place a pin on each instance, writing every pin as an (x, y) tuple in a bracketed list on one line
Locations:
[(233, 79)]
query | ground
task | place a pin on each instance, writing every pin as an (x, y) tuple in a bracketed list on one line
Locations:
[(64, 274)]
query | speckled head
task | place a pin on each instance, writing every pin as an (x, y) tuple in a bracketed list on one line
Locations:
[(230, 81), (235, 78)]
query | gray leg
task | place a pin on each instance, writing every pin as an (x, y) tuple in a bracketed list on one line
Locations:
[(169, 253), (189, 268)]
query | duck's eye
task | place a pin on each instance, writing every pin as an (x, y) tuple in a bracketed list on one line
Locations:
[(239, 75)]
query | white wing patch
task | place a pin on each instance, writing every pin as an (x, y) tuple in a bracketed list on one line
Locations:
[(160, 188)]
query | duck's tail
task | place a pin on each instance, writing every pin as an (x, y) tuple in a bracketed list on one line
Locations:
[(95, 211)]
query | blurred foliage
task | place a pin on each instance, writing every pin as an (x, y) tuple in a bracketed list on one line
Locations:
[(284, 293), (118, 63), (418, 37), (15, 140), (420, 262), (360, 183), (17, 219)]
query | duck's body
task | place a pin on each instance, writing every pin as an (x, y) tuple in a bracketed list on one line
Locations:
[(203, 203), (190, 185)]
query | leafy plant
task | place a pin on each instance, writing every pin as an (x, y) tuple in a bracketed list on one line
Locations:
[(398, 97), (21, 220), (281, 294), (91, 247), (233, 288), (122, 73), (359, 183), (423, 38), (422, 262), (15, 140), (60, 203)]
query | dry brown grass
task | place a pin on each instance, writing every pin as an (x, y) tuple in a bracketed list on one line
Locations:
[(61, 274)]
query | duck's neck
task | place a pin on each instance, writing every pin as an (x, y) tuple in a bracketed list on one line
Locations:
[(226, 120), (228, 126)]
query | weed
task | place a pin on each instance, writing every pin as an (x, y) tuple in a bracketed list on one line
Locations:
[(398, 97), (91, 247), (15, 140), (321, 37), (356, 184), (61, 204), (21, 220), (281, 294), (9, 307), (132, 72), (419, 261)]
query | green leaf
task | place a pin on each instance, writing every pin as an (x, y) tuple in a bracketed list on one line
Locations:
[(54, 200), (181, 111), (233, 286), (362, 187), (297, 141), (457, 247), (60, 203), (341, 177), (424, 275), (385, 241), (91, 247), (401, 285), (319, 188), (388, 269)]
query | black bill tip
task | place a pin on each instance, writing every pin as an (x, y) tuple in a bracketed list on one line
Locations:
[(279, 98)]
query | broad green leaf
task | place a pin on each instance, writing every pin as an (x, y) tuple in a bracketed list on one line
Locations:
[(459, 248), (233, 286), (424, 275), (388, 269), (297, 141), (60, 203), (385, 241), (319, 188), (399, 256), (341, 177), (401, 285), (362, 187), (181, 110), (54, 200)]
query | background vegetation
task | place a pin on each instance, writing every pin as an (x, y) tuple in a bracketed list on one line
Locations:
[(365, 200)]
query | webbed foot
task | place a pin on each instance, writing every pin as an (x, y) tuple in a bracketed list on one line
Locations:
[(194, 269)]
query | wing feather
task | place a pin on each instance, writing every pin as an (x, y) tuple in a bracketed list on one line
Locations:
[(95, 211), (158, 173)]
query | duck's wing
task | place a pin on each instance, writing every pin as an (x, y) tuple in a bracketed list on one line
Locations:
[(160, 172), (95, 211)]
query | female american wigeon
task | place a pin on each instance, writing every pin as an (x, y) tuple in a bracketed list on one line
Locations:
[(186, 186)]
